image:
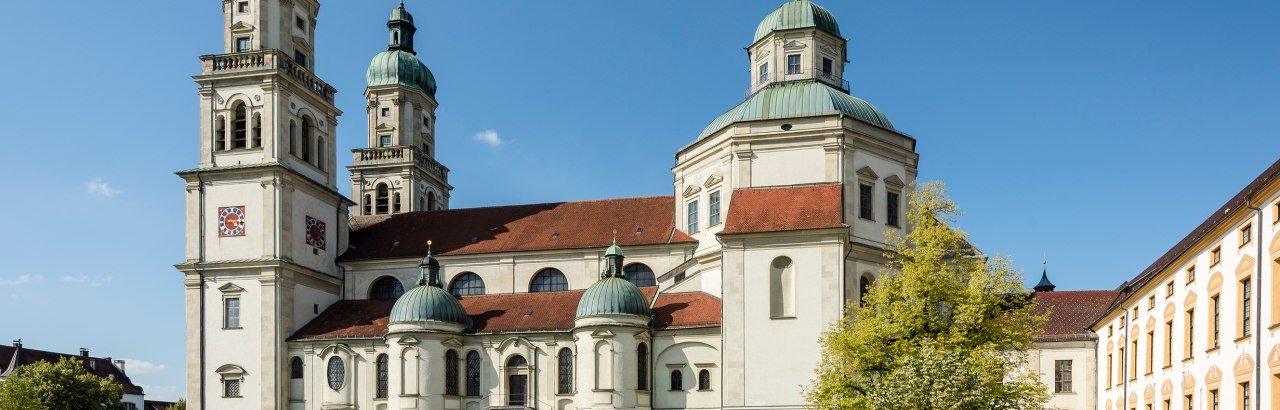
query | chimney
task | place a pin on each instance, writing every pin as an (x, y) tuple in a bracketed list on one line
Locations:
[(17, 343), (120, 365), (84, 352)]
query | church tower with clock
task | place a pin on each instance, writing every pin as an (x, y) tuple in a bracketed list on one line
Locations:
[(265, 221)]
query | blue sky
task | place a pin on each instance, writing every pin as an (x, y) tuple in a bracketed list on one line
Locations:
[(1096, 133)]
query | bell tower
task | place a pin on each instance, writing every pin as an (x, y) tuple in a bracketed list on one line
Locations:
[(265, 221), (398, 171)]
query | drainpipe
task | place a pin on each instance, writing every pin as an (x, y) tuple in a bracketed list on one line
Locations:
[(1257, 312), (200, 274), (1124, 361)]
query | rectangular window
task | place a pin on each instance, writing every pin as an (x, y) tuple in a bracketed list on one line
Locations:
[(1062, 376), (714, 208), (891, 208), (1215, 256), (1168, 289), (1110, 369), (300, 58), (693, 217), (384, 140), (1133, 361), (864, 202), (1246, 234), (763, 73), (426, 148), (242, 44), (793, 64), (1168, 343), (1189, 401), (1191, 274), (302, 24), (1151, 351), (1246, 307), (386, 112), (231, 313), (242, 7), (1245, 403), (231, 388), (1213, 399), (827, 65), (1216, 326), (1191, 333), (1151, 302)]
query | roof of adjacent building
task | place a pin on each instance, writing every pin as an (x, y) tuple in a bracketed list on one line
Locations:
[(12, 357), (1072, 312), (789, 208), (517, 228), (1238, 201), (795, 99), (156, 405), (509, 313), (797, 14)]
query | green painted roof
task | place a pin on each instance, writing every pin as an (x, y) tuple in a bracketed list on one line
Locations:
[(797, 14), (798, 99), (613, 250), (401, 14), (428, 303), (396, 67), (613, 296)]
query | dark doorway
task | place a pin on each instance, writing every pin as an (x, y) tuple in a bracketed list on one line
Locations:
[(516, 388)]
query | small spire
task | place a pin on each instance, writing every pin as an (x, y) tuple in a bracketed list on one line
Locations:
[(1045, 285), (428, 269)]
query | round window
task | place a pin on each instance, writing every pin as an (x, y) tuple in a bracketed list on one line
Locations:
[(337, 373), (786, 127)]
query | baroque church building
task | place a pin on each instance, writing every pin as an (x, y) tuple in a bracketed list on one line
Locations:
[(298, 297)]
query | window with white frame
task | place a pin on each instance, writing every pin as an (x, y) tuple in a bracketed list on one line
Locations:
[(713, 205), (793, 64), (692, 209), (1062, 376)]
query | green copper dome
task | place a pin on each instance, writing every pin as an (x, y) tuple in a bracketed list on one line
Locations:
[(613, 296), (797, 14), (428, 304), (798, 99), (398, 67)]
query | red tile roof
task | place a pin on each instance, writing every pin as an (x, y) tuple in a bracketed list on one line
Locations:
[(1072, 312), (536, 227), (509, 313), (156, 405), (785, 209), (12, 357)]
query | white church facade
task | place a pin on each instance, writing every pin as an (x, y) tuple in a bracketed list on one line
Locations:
[(300, 298)]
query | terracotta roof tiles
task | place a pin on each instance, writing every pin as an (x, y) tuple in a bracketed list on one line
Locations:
[(12, 357), (1072, 312), (789, 208)]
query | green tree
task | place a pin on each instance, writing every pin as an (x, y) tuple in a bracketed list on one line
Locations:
[(945, 328), (180, 405), (64, 385)]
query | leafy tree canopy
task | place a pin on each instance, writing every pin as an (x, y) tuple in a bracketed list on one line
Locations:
[(64, 385)]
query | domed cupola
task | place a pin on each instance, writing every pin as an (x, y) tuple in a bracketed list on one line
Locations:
[(614, 297), (428, 306), (399, 65), (797, 14)]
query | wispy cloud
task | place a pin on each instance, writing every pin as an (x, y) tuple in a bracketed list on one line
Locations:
[(166, 393), (94, 281), (98, 187), (489, 137), (135, 367), (22, 280)]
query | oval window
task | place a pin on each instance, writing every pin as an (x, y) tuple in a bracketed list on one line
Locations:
[(337, 373)]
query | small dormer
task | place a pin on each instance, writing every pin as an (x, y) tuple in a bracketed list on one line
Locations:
[(798, 41)]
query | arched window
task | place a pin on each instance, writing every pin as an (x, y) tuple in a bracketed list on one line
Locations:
[(642, 367), (431, 201), (422, 203), (467, 284), (293, 137), (386, 288), (549, 280), (473, 373), (677, 380), (220, 136), (516, 362), (395, 202), (337, 373), (604, 365), (640, 275), (239, 126), (781, 290), (368, 204), (381, 199), (451, 373), (306, 138), (565, 385), (864, 286), (257, 131), (295, 368), (320, 153), (704, 379), (383, 371)]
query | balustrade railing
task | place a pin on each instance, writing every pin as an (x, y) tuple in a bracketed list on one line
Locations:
[(391, 155), (265, 60), (829, 77)]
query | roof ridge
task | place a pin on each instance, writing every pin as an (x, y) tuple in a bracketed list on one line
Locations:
[(792, 186), (630, 198)]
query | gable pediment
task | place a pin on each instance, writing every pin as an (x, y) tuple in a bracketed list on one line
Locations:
[(795, 45), (230, 288), (602, 334), (691, 190), (867, 172), (385, 128), (713, 180), (241, 27), (894, 181)]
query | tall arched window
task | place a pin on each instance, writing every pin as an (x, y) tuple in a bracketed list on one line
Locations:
[(517, 383), (381, 195), (239, 126), (320, 153), (604, 365), (642, 367), (677, 380), (306, 138), (368, 204), (640, 275), (220, 138), (451, 373), (395, 202), (295, 368), (431, 201), (383, 373), (565, 385), (781, 288), (467, 284), (473, 373), (704, 379), (293, 137), (864, 286), (549, 280), (257, 131), (386, 288)]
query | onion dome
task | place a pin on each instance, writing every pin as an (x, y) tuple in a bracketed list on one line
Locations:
[(797, 14), (429, 302), (613, 294), (795, 99), (399, 65), (1045, 285)]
